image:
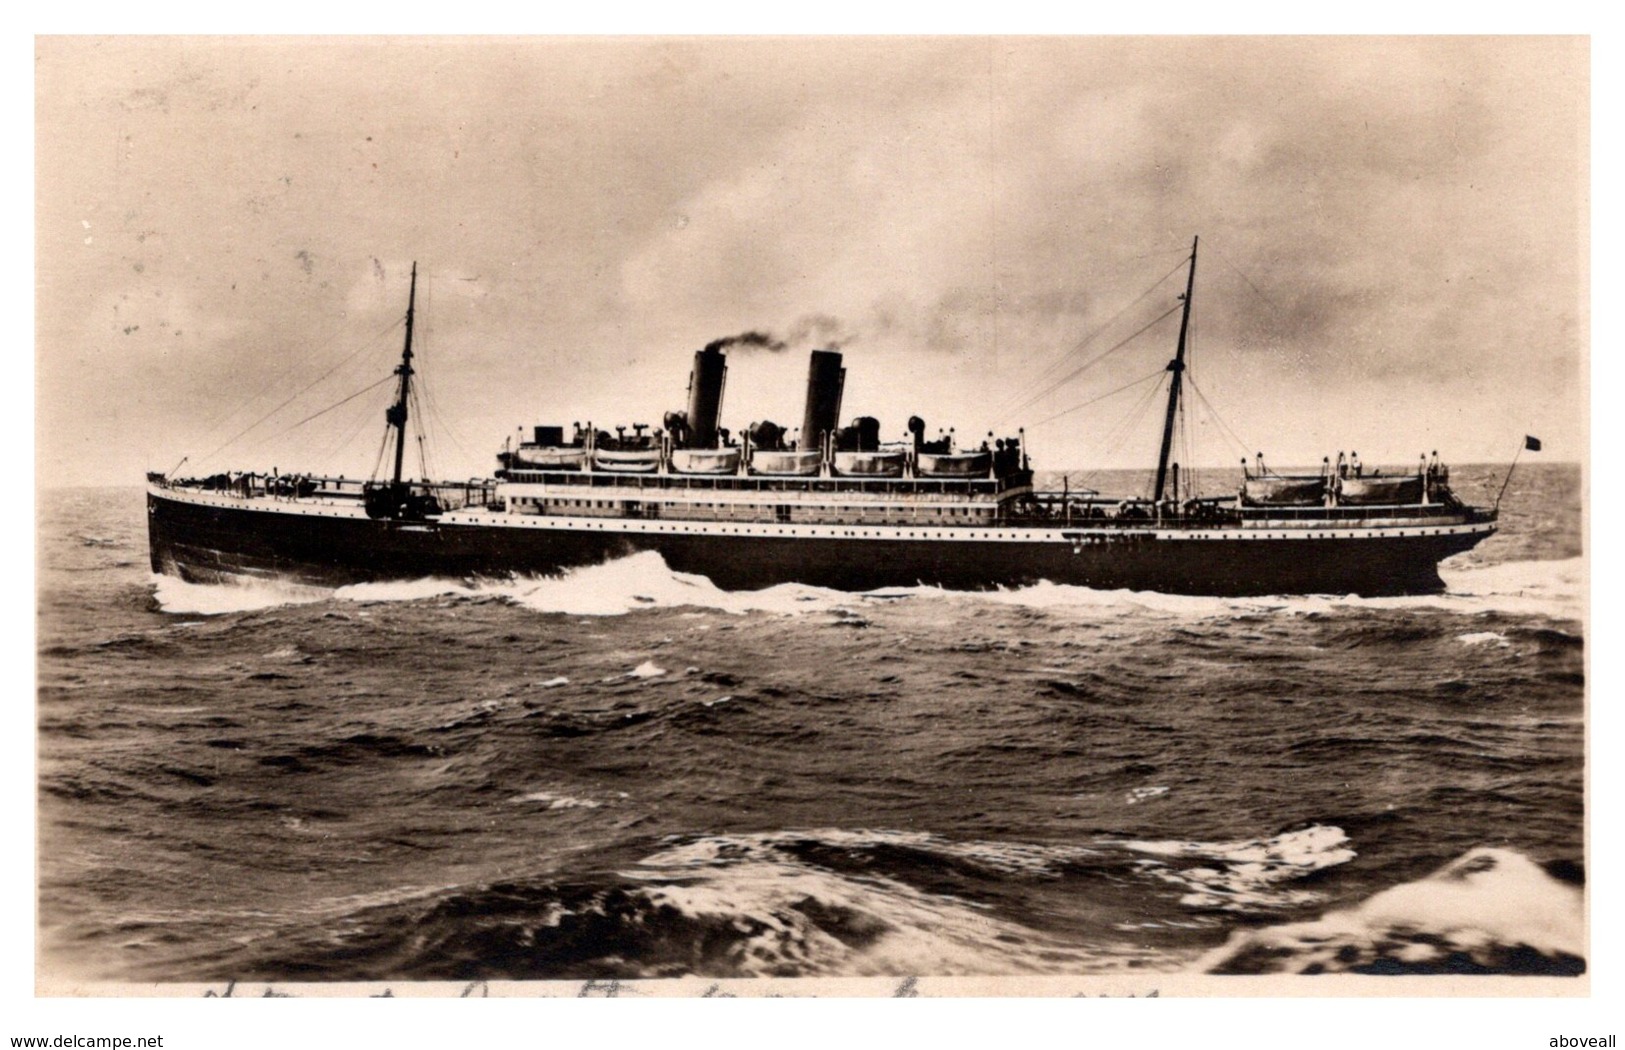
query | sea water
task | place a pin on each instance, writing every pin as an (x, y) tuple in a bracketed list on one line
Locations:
[(626, 772)]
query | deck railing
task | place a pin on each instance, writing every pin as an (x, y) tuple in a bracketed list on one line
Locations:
[(453, 495)]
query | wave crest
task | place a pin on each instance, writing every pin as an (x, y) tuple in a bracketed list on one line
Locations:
[(1488, 911)]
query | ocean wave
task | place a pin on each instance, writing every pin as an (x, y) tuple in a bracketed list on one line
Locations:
[(1556, 590), (614, 588), (791, 917), (1488, 911), (1247, 875), (722, 906), (1003, 858), (1552, 589), (232, 595), (1253, 876), (857, 902), (643, 581), (552, 800)]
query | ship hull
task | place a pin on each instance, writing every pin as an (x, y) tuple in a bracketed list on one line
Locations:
[(205, 541)]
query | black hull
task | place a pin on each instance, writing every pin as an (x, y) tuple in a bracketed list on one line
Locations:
[(205, 543)]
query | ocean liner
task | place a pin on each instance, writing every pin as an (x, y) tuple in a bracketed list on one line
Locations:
[(826, 505)]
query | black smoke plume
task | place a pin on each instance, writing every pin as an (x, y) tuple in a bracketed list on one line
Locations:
[(757, 340)]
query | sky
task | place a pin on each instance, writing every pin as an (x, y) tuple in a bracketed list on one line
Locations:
[(1394, 241)]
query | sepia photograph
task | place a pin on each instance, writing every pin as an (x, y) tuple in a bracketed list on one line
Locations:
[(766, 515)]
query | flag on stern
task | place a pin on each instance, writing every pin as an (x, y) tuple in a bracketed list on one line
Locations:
[(1531, 443)]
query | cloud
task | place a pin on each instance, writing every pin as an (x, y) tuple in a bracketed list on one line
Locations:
[(954, 213)]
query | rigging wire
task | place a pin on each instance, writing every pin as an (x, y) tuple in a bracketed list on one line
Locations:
[(1061, 359), (281, 378), (417, 433), (366, 389), (1119, 433), (1005, 416), (1225, 427), (1187, 437), (305, 390), (440, 421), (1187, 452), (423, 404), (383, 446), (443, 427), (362, 420), (1181, 250), (420, 428), (1247, 279), (1102, 397)]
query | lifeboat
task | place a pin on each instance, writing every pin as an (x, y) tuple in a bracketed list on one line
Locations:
[(1398, 489), (953, 464), (534, 458), (1280, 491), (870, 464), (705, 460), (786, 464), (632, 461)]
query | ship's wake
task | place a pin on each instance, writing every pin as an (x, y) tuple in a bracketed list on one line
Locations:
[(643, 581), (231, 594), (637, 582), (1552, 589)]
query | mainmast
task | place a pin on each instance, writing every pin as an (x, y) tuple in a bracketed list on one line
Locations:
[(397, 412), (1176, 366)]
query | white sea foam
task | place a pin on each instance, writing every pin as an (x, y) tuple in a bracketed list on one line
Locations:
[(403, 590), (1006, 858), (1247, 874), (553, 682), (1555, 589), (1484, 907), (556, 801), (643, 581), (1483, 638), (790, 900), (796, 915), (235, 595)]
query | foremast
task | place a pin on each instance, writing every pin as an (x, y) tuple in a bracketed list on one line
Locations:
[(394, 499), (1177, 367)]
